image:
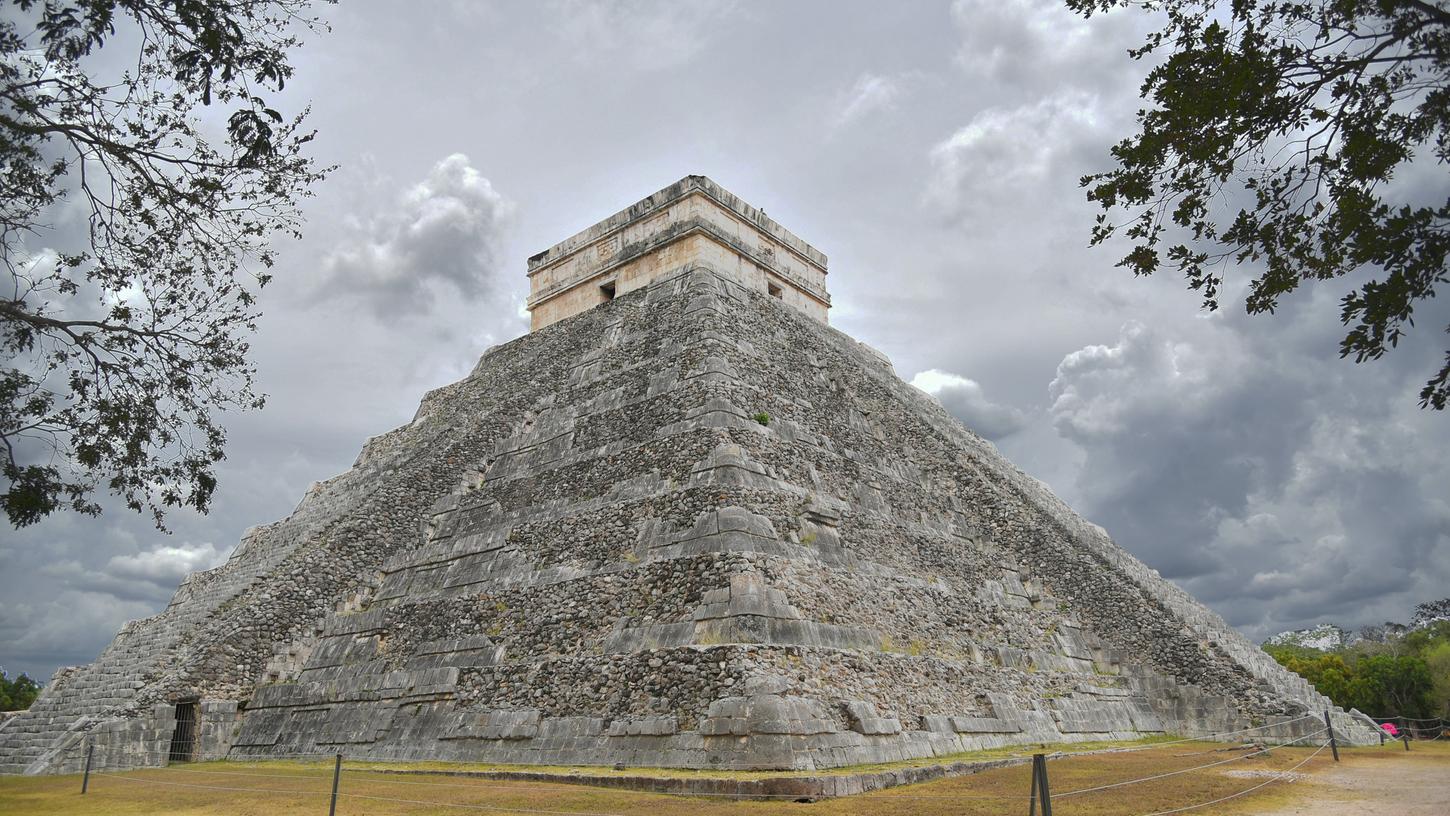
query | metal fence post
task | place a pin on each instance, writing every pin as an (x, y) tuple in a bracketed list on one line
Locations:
[(336, 774), (1333, 746), (86, 778)]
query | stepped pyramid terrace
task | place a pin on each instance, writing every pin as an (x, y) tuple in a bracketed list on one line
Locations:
[(682, 523)]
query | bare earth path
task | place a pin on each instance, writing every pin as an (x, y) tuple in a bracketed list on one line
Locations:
[(1389, 781)]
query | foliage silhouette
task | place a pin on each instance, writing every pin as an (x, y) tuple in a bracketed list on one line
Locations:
[(125, 340), (1274, 135)]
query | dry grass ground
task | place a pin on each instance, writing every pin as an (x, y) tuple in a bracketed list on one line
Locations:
[(1368, 780)]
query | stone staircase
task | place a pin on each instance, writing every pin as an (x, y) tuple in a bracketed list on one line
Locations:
[(78, 697)]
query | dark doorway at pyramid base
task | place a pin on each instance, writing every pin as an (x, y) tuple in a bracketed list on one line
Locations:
[(183, 738)]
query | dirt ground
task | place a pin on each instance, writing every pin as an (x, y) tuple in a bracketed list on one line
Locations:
[(1173, 778), (1393, 782)]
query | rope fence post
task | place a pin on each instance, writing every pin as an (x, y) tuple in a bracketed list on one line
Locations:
[(1333, 746), (1032, 790), (1039, 787), (1405, 735), (86, 777), (336, 775), (1046, 794)]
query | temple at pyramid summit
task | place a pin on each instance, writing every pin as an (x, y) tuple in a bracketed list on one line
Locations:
[(682, 523), (693, 222)]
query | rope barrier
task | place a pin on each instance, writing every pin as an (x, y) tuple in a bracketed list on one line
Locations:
[(1281, 775), (1205, 738), (484, 784), (1402, 718), (1181, 771), (278, 757), (1414, 728), (527, 784), (1143, 779), (239, 773), (523, 784), (537, 784), (204, 787), (1259, 752), (518, 784), (492, 808), (1114, 785), (515, 784), (890, 792)]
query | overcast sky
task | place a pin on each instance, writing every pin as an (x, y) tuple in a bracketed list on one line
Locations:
[(932, 150)]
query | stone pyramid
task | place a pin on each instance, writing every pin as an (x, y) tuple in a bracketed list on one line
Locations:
[(683, 523)]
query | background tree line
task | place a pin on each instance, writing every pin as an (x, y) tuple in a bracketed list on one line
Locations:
[(17, 694), (1405, 674)]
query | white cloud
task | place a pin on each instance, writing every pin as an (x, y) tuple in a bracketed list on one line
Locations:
[(870, 93), (165, 566), (1004, 155), (445, 232), (967, 402), (1100, 390), (1042, 45)]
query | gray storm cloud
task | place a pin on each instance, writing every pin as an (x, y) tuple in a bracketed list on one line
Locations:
[(966, 401), (86, 603), (445, 233), (1240, 473)]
